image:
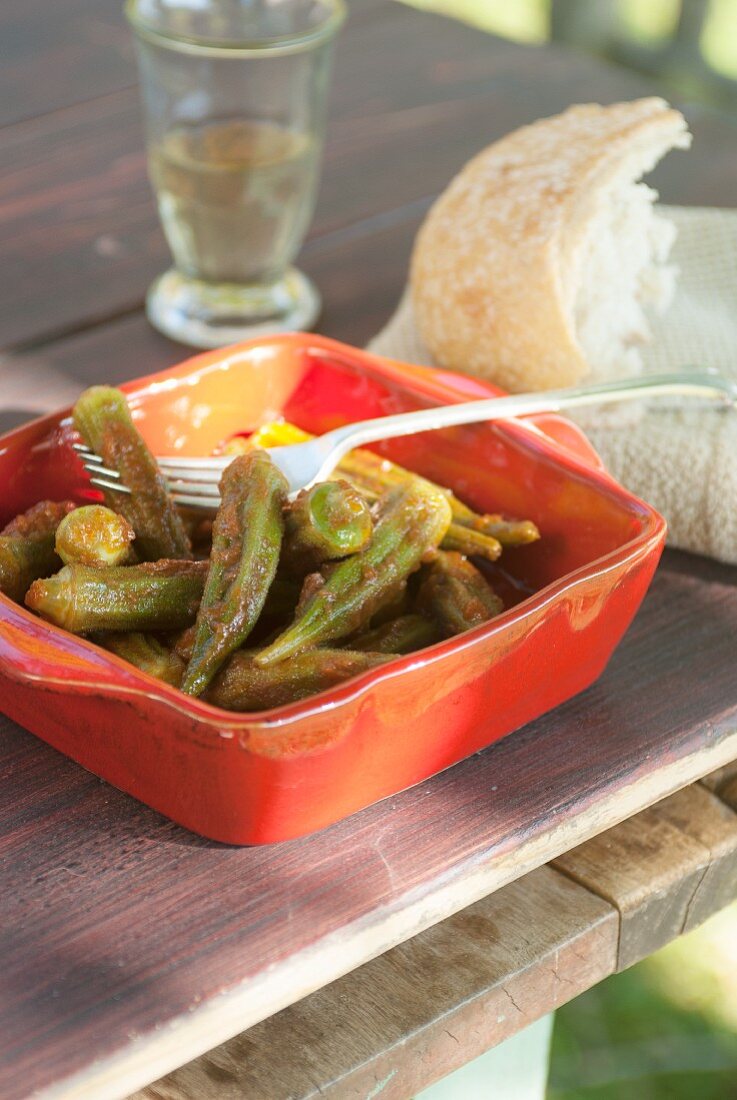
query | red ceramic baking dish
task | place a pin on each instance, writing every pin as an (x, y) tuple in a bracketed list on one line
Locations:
[(254, 779)]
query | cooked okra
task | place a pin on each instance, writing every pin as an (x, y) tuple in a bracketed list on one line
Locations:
[(473, 543), (246, 542), (103, 419), (94, 535), (455, 595), (27, 547), (243, 685), (375, 475), (146, 653), (329, 521), (413, 522), (509, 532), (351, 574), (157, 595), (404, 634)]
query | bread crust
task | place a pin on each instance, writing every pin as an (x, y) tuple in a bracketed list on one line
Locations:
[(492, 275)]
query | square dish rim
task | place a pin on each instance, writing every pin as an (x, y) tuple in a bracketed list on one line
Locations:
[(417, 381)]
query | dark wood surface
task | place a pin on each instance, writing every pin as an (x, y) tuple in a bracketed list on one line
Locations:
[(116, 922), (414, 96), (126, 944), (424, 1009)]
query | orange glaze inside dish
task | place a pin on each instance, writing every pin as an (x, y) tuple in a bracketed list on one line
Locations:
[(265, 777)]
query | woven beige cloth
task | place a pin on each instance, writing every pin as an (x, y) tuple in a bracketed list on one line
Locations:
[(680, 457)]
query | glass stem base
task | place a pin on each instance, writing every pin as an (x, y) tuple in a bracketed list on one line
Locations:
[(213, 315)]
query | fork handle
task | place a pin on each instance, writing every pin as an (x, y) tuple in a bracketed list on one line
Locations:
[(706, 385)]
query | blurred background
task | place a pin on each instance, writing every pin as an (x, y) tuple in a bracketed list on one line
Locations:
[(667, 1028), (690, 45)]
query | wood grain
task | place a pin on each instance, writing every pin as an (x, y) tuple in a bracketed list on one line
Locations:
[(127, 941), (414, 96), (54, 55), (666, 870), (728, 792), (424, 1008), (532, 945), (363, 264), (721, 779), (724, 783)]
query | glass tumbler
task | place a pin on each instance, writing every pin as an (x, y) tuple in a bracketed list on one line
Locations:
[(234, 95)]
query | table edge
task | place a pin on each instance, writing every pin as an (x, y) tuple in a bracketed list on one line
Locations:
[(149, 1057)]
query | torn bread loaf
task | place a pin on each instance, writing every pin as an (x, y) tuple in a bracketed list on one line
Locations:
[(537, 265)]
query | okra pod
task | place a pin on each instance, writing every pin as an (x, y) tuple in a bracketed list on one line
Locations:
[(27, 547), (509, 532), (324, 523), (94, 535), (280, 604), (373, 475), (413, 522), (372, 471), (246, 542), (400, 604), (242, 685), (103, 419), (376, 475), (467, 540), (154, 596), (147, 654), (455, 595), (183, 642), (403, 635)]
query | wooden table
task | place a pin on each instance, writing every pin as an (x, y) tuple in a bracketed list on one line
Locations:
[(129, 946)]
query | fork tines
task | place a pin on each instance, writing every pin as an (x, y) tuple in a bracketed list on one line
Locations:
[(100, 476), (201, 493)]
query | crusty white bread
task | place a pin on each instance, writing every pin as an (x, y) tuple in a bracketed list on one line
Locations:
[(535, 266)]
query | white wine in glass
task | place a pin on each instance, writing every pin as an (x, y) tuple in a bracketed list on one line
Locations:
[(234, 197), (235, 96)]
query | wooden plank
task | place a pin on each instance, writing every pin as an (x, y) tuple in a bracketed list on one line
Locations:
[(423, 1009), (126, 940), (54, 55), (724, 783), (728, 792), (708, 822), (60, 54), (666, 870), (449, 983), (718, 779), (78, 229), (364, 264)]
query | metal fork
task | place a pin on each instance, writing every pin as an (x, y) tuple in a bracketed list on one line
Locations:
[(193, 482)]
